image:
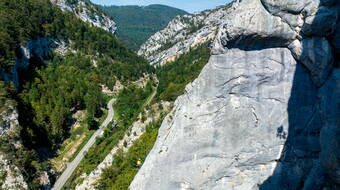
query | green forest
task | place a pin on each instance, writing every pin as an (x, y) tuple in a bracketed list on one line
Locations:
[(62, 84), (130, 101), (174, 76), (51, 87), (136, 24), (28, 19), (19, 21), (171, 84), (128, 105)]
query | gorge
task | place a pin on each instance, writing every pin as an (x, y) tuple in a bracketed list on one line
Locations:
[(243, 96)]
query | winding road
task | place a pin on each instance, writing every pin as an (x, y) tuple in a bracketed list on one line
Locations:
[(73, 165)]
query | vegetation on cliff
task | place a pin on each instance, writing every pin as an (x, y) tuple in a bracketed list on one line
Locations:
[(123, 169), (136, 24), (174, 76), (127, 107)]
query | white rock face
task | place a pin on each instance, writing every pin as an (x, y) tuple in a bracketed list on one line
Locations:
[(88, 13), (264, 23), (222, 134), (181, 34), (253, 117)]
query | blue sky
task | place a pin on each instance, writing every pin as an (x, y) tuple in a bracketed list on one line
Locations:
[(188, 5)]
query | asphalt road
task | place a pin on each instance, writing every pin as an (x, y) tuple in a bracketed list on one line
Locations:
[(73, 165)]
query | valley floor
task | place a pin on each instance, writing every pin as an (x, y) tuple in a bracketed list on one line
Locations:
[(72, 166)]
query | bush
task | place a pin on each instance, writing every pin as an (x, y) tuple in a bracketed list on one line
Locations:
[(130, 101), (92, 124)]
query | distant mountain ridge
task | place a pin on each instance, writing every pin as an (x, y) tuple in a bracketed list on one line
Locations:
[(137, 23), (181, 34)]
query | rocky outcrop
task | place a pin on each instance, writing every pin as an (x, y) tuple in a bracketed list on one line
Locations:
[(181, 34), (330, 133), (39, 47), (10, 176), (8, 118), (221, 122), (87, 12), (253, 117)]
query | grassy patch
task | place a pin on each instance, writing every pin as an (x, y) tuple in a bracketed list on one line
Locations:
[(68, 150), (86, 139), (80, 134)]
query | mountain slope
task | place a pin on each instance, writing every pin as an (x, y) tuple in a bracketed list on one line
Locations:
[(140, 137), (137, 23), (58, 63), (87, 12), (181, 34), (259, 116)]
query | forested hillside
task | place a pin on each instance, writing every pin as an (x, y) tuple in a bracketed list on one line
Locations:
[(55, 84), (23, 20), (19, 21), (173, 77), (136, 24)]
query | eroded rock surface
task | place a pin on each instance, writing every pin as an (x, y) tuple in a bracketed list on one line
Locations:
[(253, 117), (181, 34), (223, 133), (88, 13)]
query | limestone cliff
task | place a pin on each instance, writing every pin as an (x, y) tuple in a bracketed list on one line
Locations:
[(87, 12), (264, 112), (181, 34)]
